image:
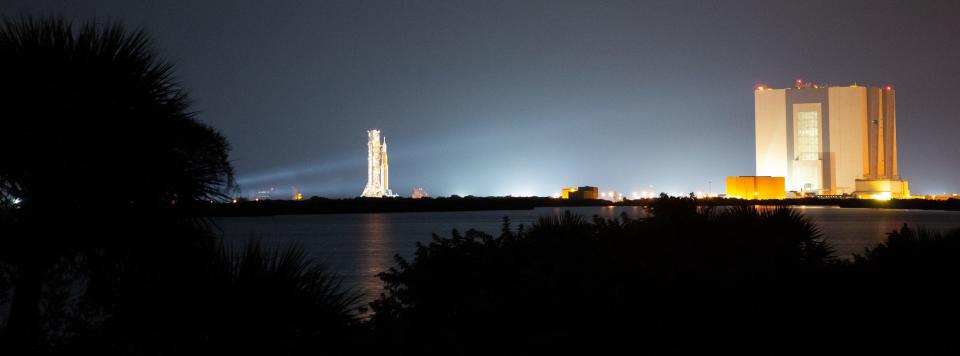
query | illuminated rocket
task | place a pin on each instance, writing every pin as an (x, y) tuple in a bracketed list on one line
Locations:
[(378, 171)]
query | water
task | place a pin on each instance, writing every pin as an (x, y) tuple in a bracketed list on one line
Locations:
[(358, 246)]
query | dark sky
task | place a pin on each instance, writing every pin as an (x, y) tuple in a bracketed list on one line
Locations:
[(526, 97)]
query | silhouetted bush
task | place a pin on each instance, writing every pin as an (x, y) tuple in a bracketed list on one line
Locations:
[(684, 280), (216, 300), (904, 294), (570, 285), (908, 254)]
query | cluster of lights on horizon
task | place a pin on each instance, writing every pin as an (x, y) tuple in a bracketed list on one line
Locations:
[(616, 196)]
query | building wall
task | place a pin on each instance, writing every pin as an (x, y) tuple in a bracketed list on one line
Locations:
[(882, 188), (754, 187), (806, 174), (771, 187), (583, 193), (770, 121), (848, 115), (589, 192), (881, 133), (739, 187), (890, 134), (892, 138)]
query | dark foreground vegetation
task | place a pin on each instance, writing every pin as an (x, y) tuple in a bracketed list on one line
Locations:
[(101, 251), (136, 270), (687, 280)]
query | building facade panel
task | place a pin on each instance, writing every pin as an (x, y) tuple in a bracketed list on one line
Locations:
[(808, 135), (755, 187), (889, 134), (874, 115), (848, 113), (770, 121)]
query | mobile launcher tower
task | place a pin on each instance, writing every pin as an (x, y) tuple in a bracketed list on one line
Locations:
[(378, 171)]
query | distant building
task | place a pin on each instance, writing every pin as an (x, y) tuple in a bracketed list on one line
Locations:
[(882, 189), (418, 193), (824, 139), (581, 193), (378, 170), (755, 187)]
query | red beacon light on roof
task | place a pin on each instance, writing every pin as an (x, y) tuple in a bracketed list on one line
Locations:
[(889, 87)]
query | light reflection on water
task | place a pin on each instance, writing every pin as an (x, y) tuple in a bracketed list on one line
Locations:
[(359, 246), (375, 252)]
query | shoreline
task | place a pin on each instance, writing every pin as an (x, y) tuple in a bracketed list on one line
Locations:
[(318, 205)]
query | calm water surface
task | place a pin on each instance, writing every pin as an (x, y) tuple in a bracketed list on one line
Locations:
[(358, 246)]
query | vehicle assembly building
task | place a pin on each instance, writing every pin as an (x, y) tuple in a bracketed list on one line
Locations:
[(829, 140), (378, 170)]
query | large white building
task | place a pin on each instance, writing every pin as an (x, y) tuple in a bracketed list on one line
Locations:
[(829, 140), (378, 170)]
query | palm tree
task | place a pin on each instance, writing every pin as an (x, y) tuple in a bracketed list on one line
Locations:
[(98, 142), (221, 299)]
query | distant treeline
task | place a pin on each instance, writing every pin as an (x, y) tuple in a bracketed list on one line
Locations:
[(318, 205)]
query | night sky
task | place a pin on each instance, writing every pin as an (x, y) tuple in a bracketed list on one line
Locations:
[(526, 97)]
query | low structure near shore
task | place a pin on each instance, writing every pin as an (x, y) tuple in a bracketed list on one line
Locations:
[(756, 187)]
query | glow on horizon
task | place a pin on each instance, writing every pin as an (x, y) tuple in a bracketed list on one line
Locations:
[(270, 177)]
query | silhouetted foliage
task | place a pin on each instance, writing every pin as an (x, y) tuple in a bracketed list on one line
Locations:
[(102, 126), (683, 280), (904, 294), (575, 286), (103, 245), (216, 300), (106, 160), (908, 253)]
